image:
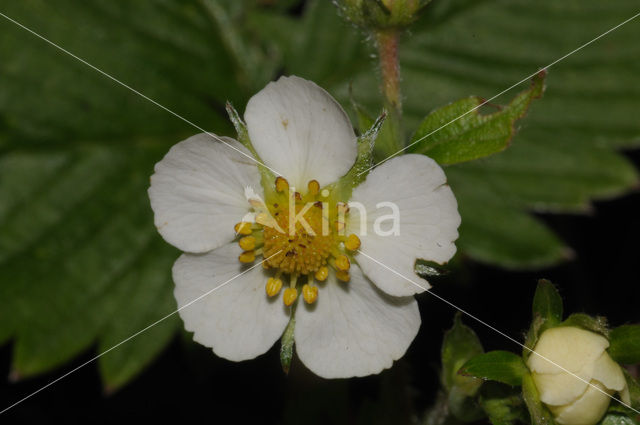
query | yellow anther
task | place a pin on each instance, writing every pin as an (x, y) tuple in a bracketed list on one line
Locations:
[(342, 263), (273, 286), (247, 243), (352, 243), (289, 296), (310, 293), (322, 273), (243, 228), (247, 257), (314, 187), (343, 275), (282, 185)]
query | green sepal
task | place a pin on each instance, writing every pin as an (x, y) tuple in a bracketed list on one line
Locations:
[(538, 412), (363, 118), (532, 336), (546, 312), (614, 417), (500, 366), (460, 343), (464, 407), (458, 132), (596, 324), (364, 160), (267, 176), (634, 389), (427, 269), (286, 348), (547, 303), (618, 414), (625, 344), (502, 404)]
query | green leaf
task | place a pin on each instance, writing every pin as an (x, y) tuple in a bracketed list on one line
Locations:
[(625, 344), (564, 154), (538, 412), (76, 148), (458, 132), (501, 366), (460, 344), (143, 303), (547, 302), (80, 260)]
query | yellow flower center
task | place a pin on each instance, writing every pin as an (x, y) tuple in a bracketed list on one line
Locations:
[(298, 236)]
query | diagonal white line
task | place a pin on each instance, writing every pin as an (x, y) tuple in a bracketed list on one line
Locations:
[(91, 360), (495, 330), (109, 76), (528, 77)]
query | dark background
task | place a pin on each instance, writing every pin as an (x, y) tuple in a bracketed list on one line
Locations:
[(188, 383)]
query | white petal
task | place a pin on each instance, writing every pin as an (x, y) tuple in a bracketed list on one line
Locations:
[(197, 192), (428, 222), (237, 320), (353, 329), (609, 373), (557, 389), (587, 410), (568, 347), (300, 131)]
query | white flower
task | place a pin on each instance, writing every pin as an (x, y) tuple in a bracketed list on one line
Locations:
[(571, 400), (357, 317)]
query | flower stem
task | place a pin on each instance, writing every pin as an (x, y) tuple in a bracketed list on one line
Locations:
[(387, 44)]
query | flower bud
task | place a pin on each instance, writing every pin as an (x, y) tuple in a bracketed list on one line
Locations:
[(575, 375), (381, 14)]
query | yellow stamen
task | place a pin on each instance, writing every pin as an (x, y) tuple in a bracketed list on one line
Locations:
[(314, 187), (256, 203), (247, 243), (310, 293), (343, 275), (289, 296), (273, 286), (282, 185), (322, 273), (342, 263), (340, 226), (352, 243), (247, 257), (263, 218), (243, 228)]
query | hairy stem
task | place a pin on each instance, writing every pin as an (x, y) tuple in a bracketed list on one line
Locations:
[(387, 44)]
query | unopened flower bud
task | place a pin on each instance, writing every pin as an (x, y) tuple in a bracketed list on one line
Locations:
[(575, 376), (381, 14)]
